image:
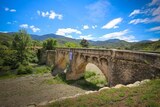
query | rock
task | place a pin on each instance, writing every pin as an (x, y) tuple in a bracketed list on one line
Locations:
[(137, 83), (31, 105), (144, 81), (104, 88), (52, 101), (43, 103), (78, 94), (119, 86), (88, 92), (130, 85)]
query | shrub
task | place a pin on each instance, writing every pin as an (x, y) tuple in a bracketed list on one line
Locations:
[(24, 70), (42, 69), (4, 68), (89, 74), (50, 44)]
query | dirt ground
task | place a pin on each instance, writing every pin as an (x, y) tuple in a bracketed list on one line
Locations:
[(31, 89)]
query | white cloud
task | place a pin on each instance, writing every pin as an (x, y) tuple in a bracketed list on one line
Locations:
[(136, 21), (45, 14), (154, 2), (154, 39), (6, 9), (67, 31), (13, 22), (85, 27), (112, 23), (98, 10), (135, 12), (51, 15), (87, 37), (11, 10), (155, 29), (94, 26), (122, 35), (24, 26), (34, 29)]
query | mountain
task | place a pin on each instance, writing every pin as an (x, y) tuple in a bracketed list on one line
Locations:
[(147, 46), (144, 45), (145, 41), (112, 43)]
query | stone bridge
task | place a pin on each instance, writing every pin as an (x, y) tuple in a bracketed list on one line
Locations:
[(118, 66)]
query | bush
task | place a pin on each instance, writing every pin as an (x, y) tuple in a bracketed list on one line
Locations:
[(24, 70), (42, 69), (5, 68), (50, 44), (89, 74)]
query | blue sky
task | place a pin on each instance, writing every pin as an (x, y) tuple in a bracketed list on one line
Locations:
[(130, 20)]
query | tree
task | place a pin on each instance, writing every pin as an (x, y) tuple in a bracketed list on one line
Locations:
[(84, 43), (71, 45), (21, 42), (50, 44)]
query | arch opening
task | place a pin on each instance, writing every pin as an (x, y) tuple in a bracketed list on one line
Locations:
[(94, 75)]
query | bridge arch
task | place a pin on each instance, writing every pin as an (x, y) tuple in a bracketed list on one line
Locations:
[(79, 63)]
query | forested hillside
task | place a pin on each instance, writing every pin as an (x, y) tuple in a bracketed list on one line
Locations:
[(147, 46), (6, 39)]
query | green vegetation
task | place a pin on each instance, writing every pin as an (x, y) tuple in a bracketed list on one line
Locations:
[(41, 69), (18, 51), (50, 44), (82, 83), (146, 95), (20, 44), (97, 79), (147, 46), (25, 70), (84, 43), (71, 45), (90, 81), (89, 74)]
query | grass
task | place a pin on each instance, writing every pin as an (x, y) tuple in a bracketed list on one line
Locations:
[(146, 95), (26, 70), (97, 79), (82, 83), (90, 81), (41, 69)]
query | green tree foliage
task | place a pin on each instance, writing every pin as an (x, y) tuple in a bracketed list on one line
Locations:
[(21, 42), (8, 57), (50, 44), (71, 45), (84, 43), (36, 44)]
